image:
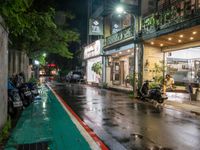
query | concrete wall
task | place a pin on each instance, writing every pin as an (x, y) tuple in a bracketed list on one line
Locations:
[(151, 56), (3, 73), (18, 62)]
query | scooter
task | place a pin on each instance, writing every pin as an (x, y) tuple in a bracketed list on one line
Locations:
[(15, 104), (25, 94), (155, 93), (33, 88)]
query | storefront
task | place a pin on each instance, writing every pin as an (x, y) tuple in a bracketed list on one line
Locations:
[(119, 66), (184, 65), (176, 54), (93, 58)]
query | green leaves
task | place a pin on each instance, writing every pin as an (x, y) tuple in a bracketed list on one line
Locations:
[(97, 68), (33, 30)]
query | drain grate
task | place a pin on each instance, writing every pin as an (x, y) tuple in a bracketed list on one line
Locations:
[(33, 146)]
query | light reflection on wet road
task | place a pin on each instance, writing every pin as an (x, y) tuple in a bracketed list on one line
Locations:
[(123, 123)]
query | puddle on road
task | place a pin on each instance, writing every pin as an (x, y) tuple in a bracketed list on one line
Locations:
[(136, 136), (109, 124)]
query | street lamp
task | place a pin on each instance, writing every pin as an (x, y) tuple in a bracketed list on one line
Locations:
[(44, 54), (36, 62), (120, 10)]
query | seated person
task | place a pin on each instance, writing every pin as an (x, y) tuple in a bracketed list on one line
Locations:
[(169, 82)]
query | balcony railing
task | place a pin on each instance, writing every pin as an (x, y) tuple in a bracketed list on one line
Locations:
[(177, 12), (120, 36)]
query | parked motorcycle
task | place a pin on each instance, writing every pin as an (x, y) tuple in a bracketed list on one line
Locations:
[(33, 88), (156, 94), (25, 94), (15, 104)]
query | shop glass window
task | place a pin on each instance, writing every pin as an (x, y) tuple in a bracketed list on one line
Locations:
[(184, 66)]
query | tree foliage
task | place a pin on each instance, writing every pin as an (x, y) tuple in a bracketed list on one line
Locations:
[(35, 30)]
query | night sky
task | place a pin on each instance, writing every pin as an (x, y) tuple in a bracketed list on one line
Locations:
[(79, 9)]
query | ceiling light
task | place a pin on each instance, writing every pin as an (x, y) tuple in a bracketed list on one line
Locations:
[(152, 43), (169, 38), (181, 36), (191, 38), (120, 52), (179, 41), (161, 44), (194, 32)]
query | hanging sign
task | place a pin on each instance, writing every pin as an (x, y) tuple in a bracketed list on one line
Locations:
[(95, 26)]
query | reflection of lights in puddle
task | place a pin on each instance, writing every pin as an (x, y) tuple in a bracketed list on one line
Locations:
[(44, 104)]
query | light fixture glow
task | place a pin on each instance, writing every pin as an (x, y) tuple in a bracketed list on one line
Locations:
[(128, 51), (132, 54), (179, 41), (36, 62), (44, 55), (161, 44), (120, 52), (181, 36), (191, 38), (194, 32), (152, 43), (119, 9), (169, 38)]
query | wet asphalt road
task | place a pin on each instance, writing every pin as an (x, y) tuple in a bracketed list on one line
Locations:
[(124, 123)]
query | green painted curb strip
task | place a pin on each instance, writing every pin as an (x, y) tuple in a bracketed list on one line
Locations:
[(46, 120)]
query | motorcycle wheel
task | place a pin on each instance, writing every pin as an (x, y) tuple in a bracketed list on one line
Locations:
[(25, 100), (11, 110)]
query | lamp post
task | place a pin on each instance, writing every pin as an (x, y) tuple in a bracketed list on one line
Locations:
[(120, 10)]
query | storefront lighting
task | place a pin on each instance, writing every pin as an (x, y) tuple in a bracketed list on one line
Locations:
[(179, 41), (169, 38), (161, 45), (194, 32), (191, 38), (181, 36), (152, 43)]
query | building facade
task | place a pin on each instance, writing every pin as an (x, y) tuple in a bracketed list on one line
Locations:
[(93, 60), (151, 39), (170, 38)]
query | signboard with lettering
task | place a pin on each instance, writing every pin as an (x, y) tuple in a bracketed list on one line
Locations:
[(93, 49), (96, 26), (121, 35)]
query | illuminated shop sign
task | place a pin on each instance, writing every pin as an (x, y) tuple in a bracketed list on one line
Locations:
[(93, 49), (96, 26)]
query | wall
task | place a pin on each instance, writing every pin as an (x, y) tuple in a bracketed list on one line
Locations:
[(3, 73), (18, 62), (151, 56), (148, 6)]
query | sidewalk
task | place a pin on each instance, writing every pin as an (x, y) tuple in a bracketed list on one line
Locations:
[(181, 101), (46, 124)]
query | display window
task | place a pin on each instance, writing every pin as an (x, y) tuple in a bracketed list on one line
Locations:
[(184, 66)]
